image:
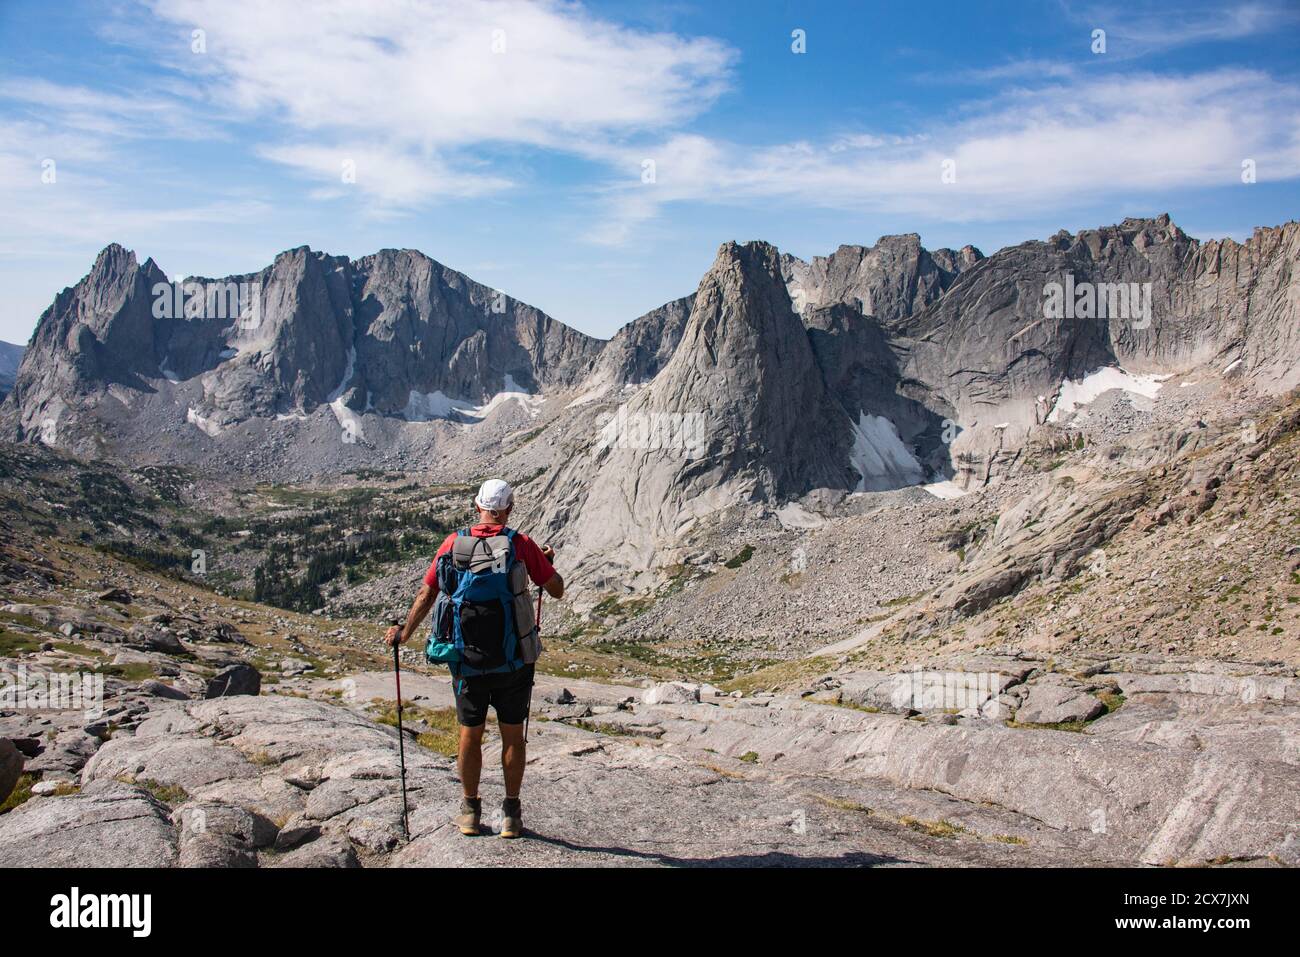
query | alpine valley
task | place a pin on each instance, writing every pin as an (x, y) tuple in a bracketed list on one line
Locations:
[(1055, 487)]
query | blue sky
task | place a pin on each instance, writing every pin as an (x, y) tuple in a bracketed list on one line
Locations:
[(514, 141)]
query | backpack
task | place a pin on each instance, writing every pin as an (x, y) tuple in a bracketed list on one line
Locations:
[(483, 620)]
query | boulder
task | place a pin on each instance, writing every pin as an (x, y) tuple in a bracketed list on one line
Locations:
[(296, 833), (166, 641), (106, 824), (239, 679), (295, 666), (163, 752), (68, 752), (671, 692), (224, 633), (1053, 700), (215, 834), (27, 746), (325, 852), (11, 767), (56, 616), (159, 690), (119, 595)]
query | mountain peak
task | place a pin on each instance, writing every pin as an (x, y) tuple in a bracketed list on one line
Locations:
[(113, 259)]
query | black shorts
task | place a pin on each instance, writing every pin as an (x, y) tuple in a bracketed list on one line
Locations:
[(507, 693)]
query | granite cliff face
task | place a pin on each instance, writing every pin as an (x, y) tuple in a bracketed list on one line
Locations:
[(739, 414), (992, 357), (640, 349), (394, 333), (890, 280)]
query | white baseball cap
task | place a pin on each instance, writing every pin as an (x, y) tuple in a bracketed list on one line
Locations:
[(495, 496)]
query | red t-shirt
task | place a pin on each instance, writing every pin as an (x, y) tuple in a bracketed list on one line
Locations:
[(540, 569)]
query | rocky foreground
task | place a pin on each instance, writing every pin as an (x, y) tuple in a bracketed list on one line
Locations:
[(1102, 761)]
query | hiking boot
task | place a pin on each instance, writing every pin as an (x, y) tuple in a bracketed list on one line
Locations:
[(512, 818), (471, 809)]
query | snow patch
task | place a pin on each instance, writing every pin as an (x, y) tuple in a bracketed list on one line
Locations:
[(880, 457), (424, 406), (347, 376), (207, 426), (348, 420), (512, 393), (793, 515), (1078, 392), (947, 489)]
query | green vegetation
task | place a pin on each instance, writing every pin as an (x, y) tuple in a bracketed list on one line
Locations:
[(933, 828), (602, 727), (312, 546), (901, 600), (169, 794), (529, 436), (777, 674), (614, 607), (854, 706), (1112, 698), (152, 559), (744, 555), (842, 804), (135, 671), (443, 730), (713, 667), (20, 794), (749, 757), (1229, 592), (12, 643)]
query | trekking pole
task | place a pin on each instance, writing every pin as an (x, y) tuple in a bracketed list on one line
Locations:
[(529, 713), (401, 737)]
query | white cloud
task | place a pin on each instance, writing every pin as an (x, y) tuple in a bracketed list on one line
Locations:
[(1167, 26), (1057, 147), (431, 81), (391, 175)]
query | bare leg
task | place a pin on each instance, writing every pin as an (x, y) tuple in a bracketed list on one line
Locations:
[(469, 758), (513, 757)]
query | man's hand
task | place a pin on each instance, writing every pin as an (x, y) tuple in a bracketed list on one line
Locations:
[(549, 552), (419, 608)]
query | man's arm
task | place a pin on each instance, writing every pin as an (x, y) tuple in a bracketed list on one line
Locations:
[(554, 587), (419, 609)]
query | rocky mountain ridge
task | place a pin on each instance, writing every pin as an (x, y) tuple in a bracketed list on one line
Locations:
[(872, 369), (395, 333)]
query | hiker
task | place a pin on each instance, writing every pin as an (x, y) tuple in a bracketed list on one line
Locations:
[(486, 632)]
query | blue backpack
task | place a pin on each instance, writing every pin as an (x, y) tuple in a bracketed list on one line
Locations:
[(483, 620)]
